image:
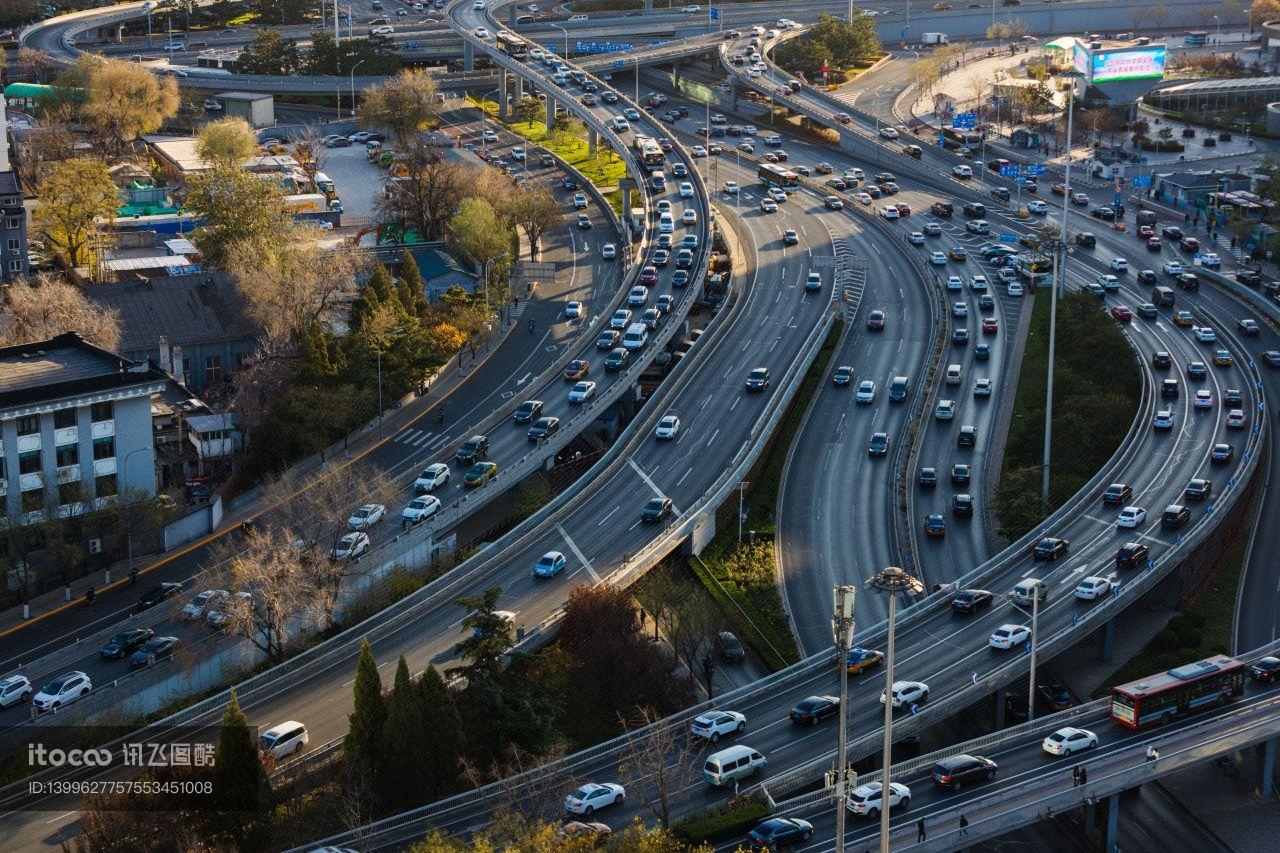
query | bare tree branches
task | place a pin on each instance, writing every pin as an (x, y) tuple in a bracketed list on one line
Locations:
[(48, 306), (658, 764)]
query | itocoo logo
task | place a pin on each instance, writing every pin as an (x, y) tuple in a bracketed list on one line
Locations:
[(39, 756)]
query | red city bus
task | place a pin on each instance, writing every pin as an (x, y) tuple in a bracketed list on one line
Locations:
[(1184, 690)]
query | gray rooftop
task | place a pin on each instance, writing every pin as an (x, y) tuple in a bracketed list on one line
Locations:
[(185, 309), (62, 367)]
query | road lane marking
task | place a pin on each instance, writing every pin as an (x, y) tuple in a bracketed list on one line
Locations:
[(607, 517), (586, 564)]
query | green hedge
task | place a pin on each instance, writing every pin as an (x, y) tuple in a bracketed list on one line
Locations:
[(722, 823)]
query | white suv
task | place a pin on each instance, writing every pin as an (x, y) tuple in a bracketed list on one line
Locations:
[(433, 477), (714, 724), (63, 690)]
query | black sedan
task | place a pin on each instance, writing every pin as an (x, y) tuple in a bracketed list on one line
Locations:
[(544, 428), (154, 650), (656, 509), (126, 641), (160, 593), (1050, 548), (958, 770), (811, 711), (971, 600), (779, 831), (1265, 670)]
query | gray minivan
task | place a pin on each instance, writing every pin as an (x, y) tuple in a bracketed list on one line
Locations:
[(729, 765)]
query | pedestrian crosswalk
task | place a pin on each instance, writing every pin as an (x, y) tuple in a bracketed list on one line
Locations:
[(419, 438)]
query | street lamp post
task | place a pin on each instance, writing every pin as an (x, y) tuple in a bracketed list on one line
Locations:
[(488, 270), (378, 350), (1218, 22), (353, 80), (124, 469), (566, 40), (842, 624), (1059, 288), (892, 581)]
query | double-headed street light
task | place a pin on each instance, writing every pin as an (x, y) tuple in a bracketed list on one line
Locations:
[(842, 625), (893, 581)]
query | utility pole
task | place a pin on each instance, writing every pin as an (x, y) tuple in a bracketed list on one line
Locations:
[(842, 625), (1035, 639), (742, 510)]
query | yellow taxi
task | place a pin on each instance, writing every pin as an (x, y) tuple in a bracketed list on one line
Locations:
[(1184, 318)]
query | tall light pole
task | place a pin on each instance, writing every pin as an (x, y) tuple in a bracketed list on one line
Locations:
[(842, 625), (892, 581), (1059, 288), (353, 86), (1218, 22), (564, 56), (378, 350), (129, 505)]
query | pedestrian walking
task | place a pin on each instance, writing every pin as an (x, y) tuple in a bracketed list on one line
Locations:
[(1153, 754), (920, 833), (1084, 775), (1115, 586), (964, 825), (1075, 776)]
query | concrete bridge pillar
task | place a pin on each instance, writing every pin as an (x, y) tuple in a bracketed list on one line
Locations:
[(733, 104), (675, 74), (1268, 766), (551, 119), (1108, 640), (511, 22), (648, 7), (1113, 821), (468, 57), (593, 139), (503, 94)]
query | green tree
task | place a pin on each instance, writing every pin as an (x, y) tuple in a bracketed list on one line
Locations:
[(529, 110), (77, 195), (489, 637), (483, 234), (228, 141), (447, 738), (238, 772), (367, 717), (269, 53), (237, 207), (413, 295), (403, 751), (284, 11)]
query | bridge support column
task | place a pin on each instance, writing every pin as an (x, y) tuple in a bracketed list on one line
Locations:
[(468, 57), (503, 94), (1001, 698), (648, 5), (733, 91), (593, 140), (511, 18), (1113, 821), (551, 113), (1108, 640), (1268, 768), (675, 74)]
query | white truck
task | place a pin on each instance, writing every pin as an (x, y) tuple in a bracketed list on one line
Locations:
[(934, 38)]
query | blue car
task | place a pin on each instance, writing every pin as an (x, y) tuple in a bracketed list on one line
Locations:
[(549, 565)]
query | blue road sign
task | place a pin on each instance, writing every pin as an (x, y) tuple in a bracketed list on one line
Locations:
[(965, 121), (1019, 180), (1141, 181), (715, 13), (1142, 160), (1035, 170), (1119, 200), (619, 63), (1010, 171), (1008, 237)]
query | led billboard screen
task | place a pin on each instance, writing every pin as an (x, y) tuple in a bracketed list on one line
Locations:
[(1106, 66)]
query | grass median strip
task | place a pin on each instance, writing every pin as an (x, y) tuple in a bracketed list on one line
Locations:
[(1096, 394)]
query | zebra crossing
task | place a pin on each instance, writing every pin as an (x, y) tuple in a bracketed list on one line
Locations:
[(420, 438)]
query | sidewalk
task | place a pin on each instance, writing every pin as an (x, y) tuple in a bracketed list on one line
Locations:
[(355, 446)]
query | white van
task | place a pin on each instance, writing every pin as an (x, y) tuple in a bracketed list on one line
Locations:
[(729, 765), (1029, 590), (636, 337), (575, 19), (954, 374), (284, 740)]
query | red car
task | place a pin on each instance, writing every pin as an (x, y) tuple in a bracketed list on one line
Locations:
[(1122, 313), (1154, 244), (648, 276), (1146, 232), (576, 369), (1248, 327), (904, 210), (990, 325), (1190, 244)]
